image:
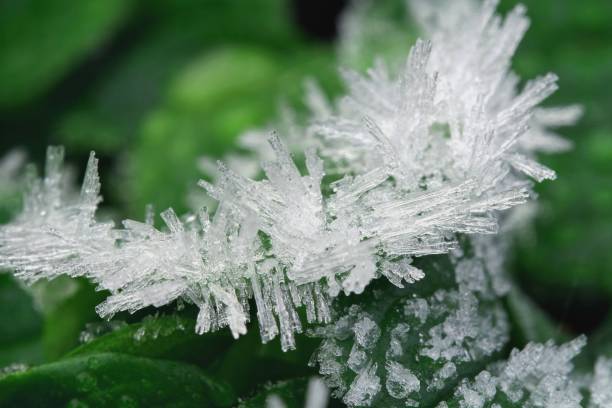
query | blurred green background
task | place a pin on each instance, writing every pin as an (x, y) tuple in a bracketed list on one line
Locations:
[(153, 85)]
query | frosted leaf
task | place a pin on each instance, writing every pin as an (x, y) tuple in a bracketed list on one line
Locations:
[(537, 376), (433, 336)]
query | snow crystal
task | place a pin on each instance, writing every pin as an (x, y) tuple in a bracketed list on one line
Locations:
[(357, 359), (418, 308), (367, 332), (400, 381), (364, 388), (601, 387), (537, 376), (397, 338)]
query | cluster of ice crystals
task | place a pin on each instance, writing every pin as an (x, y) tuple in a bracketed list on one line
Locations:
[(56, 233), (472, 43), (443, 331), (419, 157), (537, 376)]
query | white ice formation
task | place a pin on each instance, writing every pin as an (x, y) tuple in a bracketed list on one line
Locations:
[(440, 149)]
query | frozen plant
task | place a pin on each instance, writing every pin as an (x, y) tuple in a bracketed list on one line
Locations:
[(420, 157)]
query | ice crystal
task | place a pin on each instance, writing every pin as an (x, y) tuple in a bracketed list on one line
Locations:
[(418, 157), (56, 233), (601, 386), (400, 380), (537, 376), (316, 396), (363, 355)]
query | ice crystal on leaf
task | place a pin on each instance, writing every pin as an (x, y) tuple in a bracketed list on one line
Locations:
[(537, 376), (404, 347), (418, 158), (316, 396)]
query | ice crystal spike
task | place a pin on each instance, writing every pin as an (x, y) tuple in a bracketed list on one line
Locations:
[(56, 233)]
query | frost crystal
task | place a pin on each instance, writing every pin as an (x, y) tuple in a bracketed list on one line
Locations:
[(316, 396), (56, 233), (419, 157), (537, 376), (601, 388), (400, 380), (364, 388), (445, 331)]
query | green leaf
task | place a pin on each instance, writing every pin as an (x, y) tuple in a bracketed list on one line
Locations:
[(112, 379), (394, 346), (571, 256), (599, 345), (66, 318), (260, 363), (121, 96), (20, 324), (43, 40), (173, 338), (529, 322), (167, 337)]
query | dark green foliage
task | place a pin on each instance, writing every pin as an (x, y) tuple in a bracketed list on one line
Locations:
[(20, 324), (152, 86), (42, 41), (113, 379)]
